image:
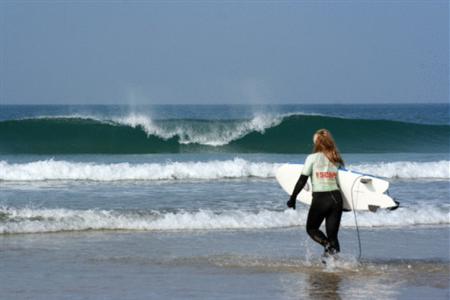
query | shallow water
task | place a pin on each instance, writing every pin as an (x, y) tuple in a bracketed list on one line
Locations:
[(230, 264)]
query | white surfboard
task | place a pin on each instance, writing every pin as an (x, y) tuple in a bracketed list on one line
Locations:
[(359, 191)]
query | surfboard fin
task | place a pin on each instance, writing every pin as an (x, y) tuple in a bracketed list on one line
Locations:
[(366, 180), (373, 208)]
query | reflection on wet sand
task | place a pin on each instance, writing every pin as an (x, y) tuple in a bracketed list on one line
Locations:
[(323, 285), (383, 279)]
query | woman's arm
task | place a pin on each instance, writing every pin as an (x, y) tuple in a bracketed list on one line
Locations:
[(306, 172), (298, 187)]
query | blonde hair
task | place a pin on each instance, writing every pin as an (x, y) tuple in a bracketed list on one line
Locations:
[(324, 142)]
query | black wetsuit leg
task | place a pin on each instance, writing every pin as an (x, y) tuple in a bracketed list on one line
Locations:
[(333, 221), (316, 215), (328, 206)]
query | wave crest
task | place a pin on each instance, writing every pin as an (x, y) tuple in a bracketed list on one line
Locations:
[(210, 133)]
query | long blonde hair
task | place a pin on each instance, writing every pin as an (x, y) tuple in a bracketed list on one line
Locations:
[(324, 142)]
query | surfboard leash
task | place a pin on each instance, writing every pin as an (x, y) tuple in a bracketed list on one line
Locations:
[(356, 219)]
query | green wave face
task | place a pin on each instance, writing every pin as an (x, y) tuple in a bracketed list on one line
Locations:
[(295, 133), (67, 135), (292, 134)]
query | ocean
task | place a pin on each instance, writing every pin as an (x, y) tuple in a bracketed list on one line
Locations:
[(181, 202)]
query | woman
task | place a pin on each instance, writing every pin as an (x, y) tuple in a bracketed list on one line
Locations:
[(326, 204)]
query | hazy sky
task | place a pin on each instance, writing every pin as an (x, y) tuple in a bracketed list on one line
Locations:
[(208, 52)]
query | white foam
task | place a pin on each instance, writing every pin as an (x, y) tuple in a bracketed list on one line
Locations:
[(211, 133), (32, 220), (146, 123), (208, 170), (64, 170), (406, 169), (217, 133)]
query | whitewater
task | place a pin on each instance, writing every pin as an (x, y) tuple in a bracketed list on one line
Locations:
[(217, 133), (216, 169), (41, 220)]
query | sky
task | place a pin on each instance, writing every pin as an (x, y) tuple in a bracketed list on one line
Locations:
[(223, 52)]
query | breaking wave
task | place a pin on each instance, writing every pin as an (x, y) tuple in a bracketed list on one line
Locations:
[(35, 220), (208, 170), (289, 133)]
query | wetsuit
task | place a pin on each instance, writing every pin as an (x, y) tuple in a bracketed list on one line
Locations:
[(326, 203)]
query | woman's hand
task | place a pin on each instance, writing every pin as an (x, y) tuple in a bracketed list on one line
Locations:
[(291, 203)]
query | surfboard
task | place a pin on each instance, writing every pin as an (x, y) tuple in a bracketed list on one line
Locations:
[(359, 191)]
